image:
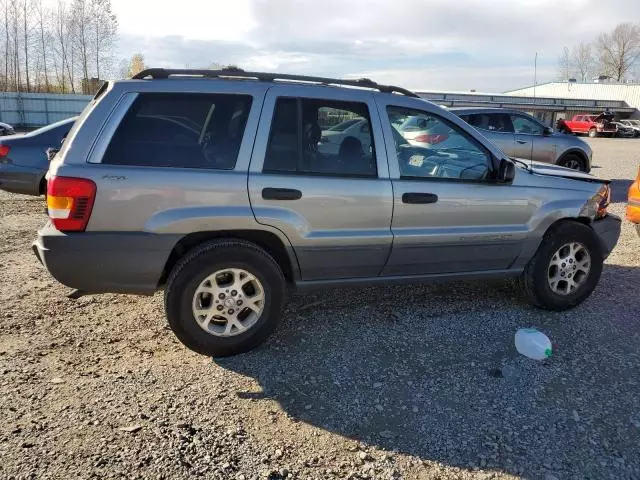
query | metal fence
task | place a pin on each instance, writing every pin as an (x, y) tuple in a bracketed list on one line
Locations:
[(28, 110)]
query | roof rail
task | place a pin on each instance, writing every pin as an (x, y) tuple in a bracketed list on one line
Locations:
[(233, 72)]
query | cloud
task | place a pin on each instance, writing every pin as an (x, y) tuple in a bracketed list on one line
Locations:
[(439, 44)]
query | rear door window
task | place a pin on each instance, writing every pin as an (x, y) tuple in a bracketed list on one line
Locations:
[(492, 122), (321, 137), (181, 130)]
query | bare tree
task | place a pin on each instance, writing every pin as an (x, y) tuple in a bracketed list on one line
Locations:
[(60, 47), (564, 65), (15, 35), (25, 32), (582, 60), (7, 46), (105, 30), (61, 35), (80, 26), (619, 50), (43, 42)]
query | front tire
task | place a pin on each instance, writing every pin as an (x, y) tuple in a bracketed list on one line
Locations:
[(593, 133), (573, 161), (566, 268), (225, 297)]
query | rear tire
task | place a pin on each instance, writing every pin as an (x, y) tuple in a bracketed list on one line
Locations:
[(593, 133), (572, 161), (536, 279), (185, 286)]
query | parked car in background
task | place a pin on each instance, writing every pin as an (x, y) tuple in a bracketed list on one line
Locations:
[(624, 131), (356, 130), (425, 131), (592, 125), (633, 203), (24, 158), (227, 221), (633, 124), (6, 129), (520, 135)]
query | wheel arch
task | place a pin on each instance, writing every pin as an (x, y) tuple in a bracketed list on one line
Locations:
[(532, 244), (575, 151), (279, 249)]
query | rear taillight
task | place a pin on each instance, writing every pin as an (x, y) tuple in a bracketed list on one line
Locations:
[(69, 202), (431, 138), (4, 150)]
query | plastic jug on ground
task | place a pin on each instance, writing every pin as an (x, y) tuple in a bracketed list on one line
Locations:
[(533, 344)]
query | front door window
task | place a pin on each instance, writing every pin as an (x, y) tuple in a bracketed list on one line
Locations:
[(442, 149)]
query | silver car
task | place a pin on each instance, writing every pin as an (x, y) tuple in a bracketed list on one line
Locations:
[(522, 136), (236, 203), (634, 125)]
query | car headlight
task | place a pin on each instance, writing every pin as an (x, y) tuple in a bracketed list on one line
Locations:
[(596, 206)]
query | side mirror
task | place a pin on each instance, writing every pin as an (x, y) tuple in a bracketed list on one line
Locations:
[(547, 131), (506, 171)]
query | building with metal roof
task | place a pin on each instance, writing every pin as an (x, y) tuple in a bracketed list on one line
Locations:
[(551, 101), (622, 92)]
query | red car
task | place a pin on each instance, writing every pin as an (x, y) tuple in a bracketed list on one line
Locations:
[(592, 125)]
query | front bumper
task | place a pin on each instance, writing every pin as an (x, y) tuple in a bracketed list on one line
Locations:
[(101, 262), (608, 231)]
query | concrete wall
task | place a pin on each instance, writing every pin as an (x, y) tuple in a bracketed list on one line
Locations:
[(38, 109)]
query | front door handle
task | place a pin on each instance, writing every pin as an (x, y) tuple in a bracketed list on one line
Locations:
[(522, 142), (419, 198), (281, 194)]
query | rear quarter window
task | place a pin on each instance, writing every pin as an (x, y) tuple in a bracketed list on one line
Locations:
[(181, 130)]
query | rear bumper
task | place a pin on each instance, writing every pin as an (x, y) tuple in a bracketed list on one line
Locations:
[(23, 180), (96, 262), (608, 231)]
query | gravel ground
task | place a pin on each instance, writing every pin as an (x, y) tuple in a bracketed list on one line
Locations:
[(380, 383)]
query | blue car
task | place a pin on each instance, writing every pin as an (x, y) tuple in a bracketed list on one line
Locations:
[(24, 160)]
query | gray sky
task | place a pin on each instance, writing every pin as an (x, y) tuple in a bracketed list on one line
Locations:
[(487, 45)]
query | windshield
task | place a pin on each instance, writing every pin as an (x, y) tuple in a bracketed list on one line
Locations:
[(341, 127)]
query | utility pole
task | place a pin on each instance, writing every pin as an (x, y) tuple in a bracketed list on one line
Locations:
[(535, 75)]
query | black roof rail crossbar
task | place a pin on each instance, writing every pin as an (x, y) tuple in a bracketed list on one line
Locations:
[(163, 73)]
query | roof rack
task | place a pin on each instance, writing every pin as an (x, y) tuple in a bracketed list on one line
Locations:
[(233, 72)]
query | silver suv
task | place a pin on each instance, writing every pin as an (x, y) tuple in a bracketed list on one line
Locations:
[(220, 187), (522, 136)]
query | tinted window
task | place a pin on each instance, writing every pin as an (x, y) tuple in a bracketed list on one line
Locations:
[(181, 130), (492, 122), (342, 126), (526, 125), (322, 137), (443, 151)]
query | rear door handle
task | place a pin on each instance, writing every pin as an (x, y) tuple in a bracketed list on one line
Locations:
[(281, 194), (419, 198), (522, 142)]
